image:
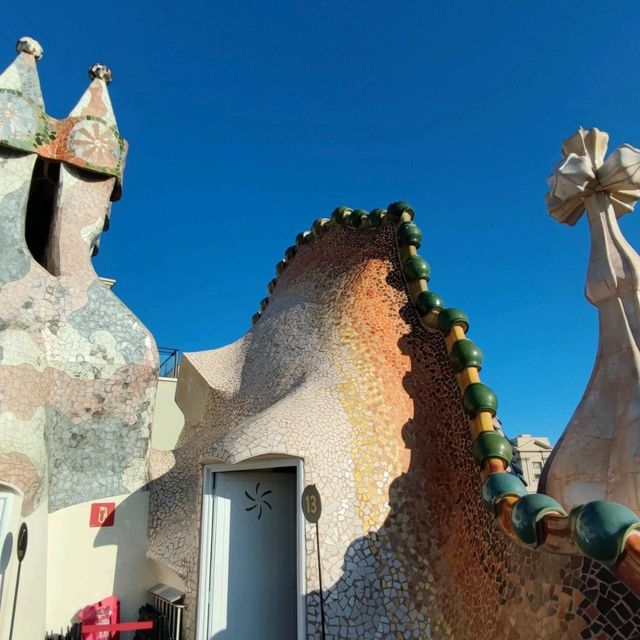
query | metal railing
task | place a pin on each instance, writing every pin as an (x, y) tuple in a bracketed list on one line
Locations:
[(168, 602), (169, 362)]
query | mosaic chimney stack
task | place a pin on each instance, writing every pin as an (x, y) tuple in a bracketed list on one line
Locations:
[(78, 370), (598, 456)]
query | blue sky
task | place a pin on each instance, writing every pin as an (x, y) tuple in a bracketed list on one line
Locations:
[(248, 120)]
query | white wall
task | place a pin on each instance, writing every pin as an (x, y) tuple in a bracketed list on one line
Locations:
[(30, 605), (167, 417), (87, 564)]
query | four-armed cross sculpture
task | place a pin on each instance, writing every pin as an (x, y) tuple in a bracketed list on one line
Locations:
[(598, 456)]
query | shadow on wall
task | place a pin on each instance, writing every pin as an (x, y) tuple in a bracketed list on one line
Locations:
[(439, 567), (88, 564), (133, 573), (5, 561)]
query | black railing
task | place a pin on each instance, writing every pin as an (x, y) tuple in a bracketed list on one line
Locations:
[(72, 633), (169, 362)]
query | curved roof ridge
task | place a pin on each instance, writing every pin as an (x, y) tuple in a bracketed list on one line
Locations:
[(341, 216), (601, 530)]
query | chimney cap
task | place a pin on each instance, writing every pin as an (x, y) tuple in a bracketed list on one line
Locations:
[(30, 46), (100, 71)]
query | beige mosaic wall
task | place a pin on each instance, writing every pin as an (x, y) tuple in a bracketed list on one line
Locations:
[(340, 372)]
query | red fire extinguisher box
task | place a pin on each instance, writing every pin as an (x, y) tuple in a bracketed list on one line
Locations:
[(103, 514)]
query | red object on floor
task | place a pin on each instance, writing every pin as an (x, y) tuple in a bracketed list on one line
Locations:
[(99, 616)]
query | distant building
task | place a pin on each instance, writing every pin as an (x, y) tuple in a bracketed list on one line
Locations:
[(533, 453)]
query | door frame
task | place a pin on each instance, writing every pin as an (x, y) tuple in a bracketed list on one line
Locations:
[(207, 529)]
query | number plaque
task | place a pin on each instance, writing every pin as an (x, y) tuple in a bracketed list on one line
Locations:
[(311, 503), (23, 538)]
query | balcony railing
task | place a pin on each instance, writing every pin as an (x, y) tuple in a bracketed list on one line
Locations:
[(169, 362), (169, 604)]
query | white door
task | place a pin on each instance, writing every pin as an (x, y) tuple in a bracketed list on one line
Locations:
[(253, 560)]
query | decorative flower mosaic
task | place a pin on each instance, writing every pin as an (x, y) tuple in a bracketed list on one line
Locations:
[(95, 143), (258, 501), (17, 118)]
